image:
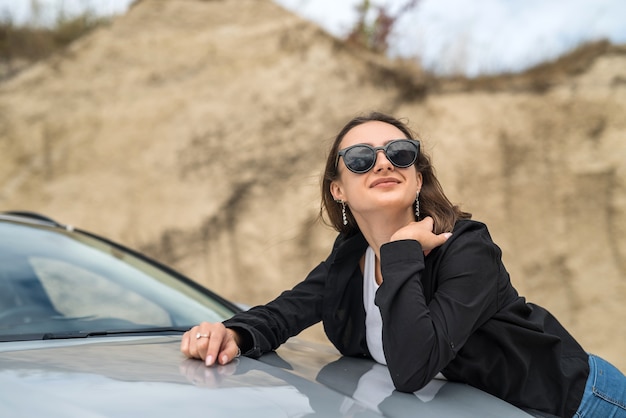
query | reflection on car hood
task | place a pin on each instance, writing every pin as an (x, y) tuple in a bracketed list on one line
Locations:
[(137, 376)]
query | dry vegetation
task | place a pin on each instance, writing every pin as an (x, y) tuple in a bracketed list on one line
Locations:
[(21, 45)]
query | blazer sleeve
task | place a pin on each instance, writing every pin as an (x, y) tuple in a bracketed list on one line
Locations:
[(264, 328), (420, 336)]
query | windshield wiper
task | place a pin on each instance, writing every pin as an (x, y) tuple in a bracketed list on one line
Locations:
[(134, 331)]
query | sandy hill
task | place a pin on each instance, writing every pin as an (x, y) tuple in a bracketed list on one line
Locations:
[(196, 132)]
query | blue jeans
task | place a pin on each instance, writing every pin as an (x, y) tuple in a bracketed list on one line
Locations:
[(605, 392)]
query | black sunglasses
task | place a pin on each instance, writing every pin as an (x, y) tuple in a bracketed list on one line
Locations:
[(360, 158)]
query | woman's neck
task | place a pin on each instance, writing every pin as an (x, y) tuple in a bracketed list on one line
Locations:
[(378, 229)]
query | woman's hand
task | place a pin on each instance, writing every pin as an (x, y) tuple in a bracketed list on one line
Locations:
[(422, 232), (211, 342)]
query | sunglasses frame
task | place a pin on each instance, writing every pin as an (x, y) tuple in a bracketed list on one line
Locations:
[(375, 150)]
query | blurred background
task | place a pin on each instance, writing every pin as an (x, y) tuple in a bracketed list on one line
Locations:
[(196, 131)]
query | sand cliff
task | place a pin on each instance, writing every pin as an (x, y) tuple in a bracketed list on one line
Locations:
[(196, 132)]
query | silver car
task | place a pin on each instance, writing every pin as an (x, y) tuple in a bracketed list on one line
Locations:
[(89, 328)]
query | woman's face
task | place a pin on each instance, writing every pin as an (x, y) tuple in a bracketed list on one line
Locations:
[(384, 187)]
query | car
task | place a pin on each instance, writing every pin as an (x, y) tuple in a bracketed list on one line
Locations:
[(90, 328)]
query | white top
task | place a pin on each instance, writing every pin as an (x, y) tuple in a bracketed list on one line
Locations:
[(373, 320)]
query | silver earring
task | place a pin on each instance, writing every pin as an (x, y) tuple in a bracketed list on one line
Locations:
[(343, 213), (417, 206)]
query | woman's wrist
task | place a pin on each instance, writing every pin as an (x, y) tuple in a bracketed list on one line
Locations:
[(235, 336)]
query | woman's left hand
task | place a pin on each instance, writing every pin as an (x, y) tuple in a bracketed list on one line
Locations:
[(422, 232)]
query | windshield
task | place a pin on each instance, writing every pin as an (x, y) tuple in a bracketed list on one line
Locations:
[(58, 282)]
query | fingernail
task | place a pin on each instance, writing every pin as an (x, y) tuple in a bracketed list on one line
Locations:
[(447, 235), (224, 359), (209, 360)]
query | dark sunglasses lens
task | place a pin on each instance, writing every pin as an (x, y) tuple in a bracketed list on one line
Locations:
[(359, 159), (402, 153)]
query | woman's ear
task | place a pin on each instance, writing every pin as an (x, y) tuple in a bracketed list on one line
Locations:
[(419, 179), (336, 191)]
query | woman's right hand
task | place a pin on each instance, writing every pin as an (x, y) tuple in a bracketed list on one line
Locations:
[(211, 342), (422, 232)]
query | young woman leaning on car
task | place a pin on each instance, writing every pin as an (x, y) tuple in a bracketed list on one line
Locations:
[(415, 284)]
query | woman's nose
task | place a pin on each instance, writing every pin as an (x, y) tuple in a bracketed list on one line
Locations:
[(382, 162)]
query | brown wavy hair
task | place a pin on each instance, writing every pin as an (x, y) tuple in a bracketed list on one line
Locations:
[(433, 201)]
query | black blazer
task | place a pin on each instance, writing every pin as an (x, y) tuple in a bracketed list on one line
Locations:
[(454, 311)]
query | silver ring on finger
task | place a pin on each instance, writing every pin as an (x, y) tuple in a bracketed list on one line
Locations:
[(199, 335)]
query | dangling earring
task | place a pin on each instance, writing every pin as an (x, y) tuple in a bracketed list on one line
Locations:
[(343, 213), (417, 206)]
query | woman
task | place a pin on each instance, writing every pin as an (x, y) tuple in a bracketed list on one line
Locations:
[(415, 284)]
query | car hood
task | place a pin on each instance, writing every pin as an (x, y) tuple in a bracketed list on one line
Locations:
[(136, 376)]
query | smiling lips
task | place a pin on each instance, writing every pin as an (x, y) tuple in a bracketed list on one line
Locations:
[(385, 181)]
